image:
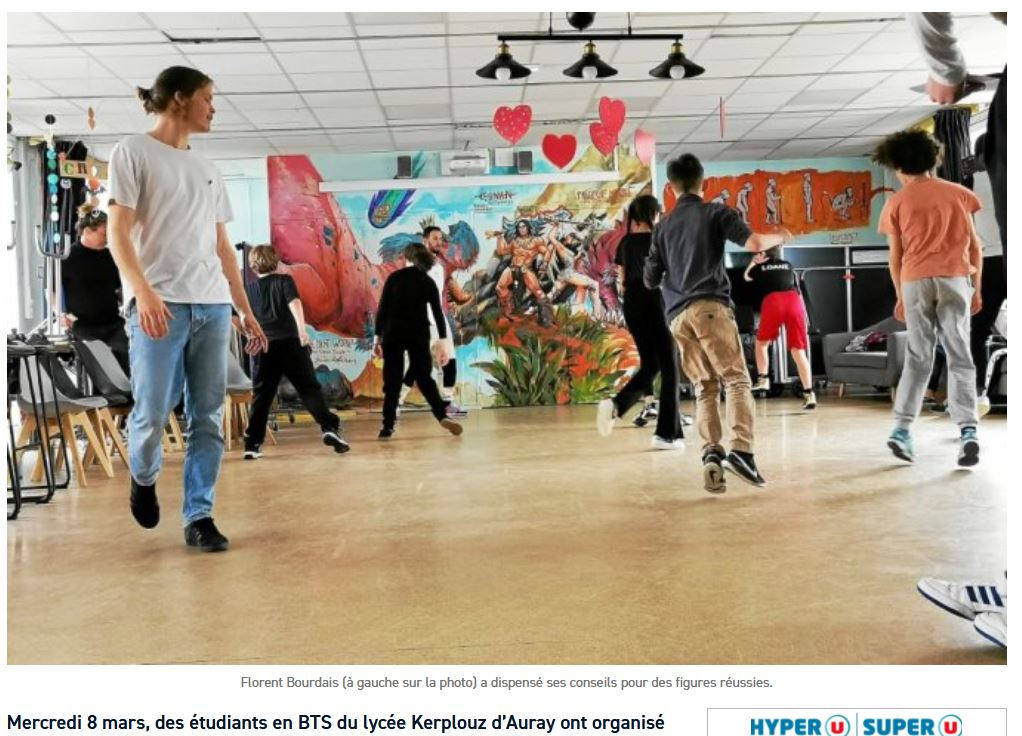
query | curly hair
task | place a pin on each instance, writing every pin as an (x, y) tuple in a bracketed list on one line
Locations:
[(908, 151)]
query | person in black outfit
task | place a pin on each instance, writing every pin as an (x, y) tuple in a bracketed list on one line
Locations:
[(278, 309), (644, 315), (92, 287), (402, 326)]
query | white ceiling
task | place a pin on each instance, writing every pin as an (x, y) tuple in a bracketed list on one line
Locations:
[(793, 84)]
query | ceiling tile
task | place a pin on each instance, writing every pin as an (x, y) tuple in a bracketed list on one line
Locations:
[(739, 48), (331, 81), (227, 64), (800, 65), (410, 78), (178, 21), (98, 21), (301, 32), (303, 20), (321, 62), (227, 83)]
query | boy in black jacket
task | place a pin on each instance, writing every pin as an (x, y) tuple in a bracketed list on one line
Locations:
[(402, 326)]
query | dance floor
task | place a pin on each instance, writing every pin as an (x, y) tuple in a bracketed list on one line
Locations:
[(529, 539)]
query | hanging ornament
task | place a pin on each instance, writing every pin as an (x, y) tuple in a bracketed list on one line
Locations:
[(612, 115), (92, 118), (560, 149), (645, 145), (512, 124)]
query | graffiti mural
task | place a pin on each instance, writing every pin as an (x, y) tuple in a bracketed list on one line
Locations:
[(532, 285)]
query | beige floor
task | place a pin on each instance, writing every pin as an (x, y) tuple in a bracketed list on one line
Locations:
[(528, 540)]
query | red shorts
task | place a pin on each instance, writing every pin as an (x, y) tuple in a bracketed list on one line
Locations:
[(784, 308)]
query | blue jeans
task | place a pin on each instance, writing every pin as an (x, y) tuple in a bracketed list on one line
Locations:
[(192, 357)]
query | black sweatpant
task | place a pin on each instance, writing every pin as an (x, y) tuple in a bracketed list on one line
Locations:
[(658, 353), (420, 366), (450, 371), (113, 334), (288, 358), (993, 292)]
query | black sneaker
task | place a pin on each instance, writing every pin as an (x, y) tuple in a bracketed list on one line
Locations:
[(252, 451), (334, 439), (743, 465), (144, 505), (202, 533), (713, 472), (385, 433)]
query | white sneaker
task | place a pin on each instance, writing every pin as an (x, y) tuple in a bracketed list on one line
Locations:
[(982, 405), (762, 384), (659, 443), (809, 400), (993, 626), (605, 415), (967, 601)]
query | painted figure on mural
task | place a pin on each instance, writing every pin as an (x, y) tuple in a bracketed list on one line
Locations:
[(773, 203), (843, 202), (807, 195), (524, 248), (723, 197), (742, 205), (570, 251)]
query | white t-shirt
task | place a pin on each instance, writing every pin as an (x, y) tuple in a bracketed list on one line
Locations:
[(178, 198)]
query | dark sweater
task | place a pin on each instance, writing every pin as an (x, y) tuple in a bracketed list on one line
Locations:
[(91, 286), (402, 311), (686, 259)]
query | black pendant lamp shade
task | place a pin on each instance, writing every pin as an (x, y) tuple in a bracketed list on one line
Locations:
[(676, 66), (504, 67), (590, 66)]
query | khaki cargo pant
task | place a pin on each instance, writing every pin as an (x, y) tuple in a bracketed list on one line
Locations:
[(711, 356)]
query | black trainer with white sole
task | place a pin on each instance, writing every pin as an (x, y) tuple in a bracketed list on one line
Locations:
[(335, 440), (252, 452), (743, 465), (713, 472)]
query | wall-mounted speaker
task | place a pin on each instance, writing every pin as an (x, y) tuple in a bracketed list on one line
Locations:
[(404, 167), (523, 162)]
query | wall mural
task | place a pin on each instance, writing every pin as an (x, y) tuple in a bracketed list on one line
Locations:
[(834, 201), (540, 321), (537, 314)]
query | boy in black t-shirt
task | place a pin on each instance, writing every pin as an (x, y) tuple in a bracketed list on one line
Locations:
[(278, 309), (782, 305)]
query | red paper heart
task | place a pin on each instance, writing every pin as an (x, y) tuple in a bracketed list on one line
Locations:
[(603, 139), (612, 114), (559, 149), (645, 143), (512, 124)]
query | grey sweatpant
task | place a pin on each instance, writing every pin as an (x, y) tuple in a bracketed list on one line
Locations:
[(930, 304)]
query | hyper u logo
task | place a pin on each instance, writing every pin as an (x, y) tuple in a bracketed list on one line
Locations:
[(949, 725), (836, 725)]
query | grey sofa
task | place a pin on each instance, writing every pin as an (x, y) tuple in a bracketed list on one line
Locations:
[(881, 370)]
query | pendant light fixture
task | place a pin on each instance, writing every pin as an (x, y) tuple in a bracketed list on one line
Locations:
[(590, 66), (504, 68), (676, 66)]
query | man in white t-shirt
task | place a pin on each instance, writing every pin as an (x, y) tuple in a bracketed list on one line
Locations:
[(168, 209)]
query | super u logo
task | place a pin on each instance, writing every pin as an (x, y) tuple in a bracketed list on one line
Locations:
[(950, 726)]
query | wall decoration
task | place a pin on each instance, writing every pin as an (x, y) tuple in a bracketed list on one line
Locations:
[(807, 197), (560, 149), (543, 323), (602, 138), (612, 115), (512, 123), (645, 145), (389, 204)]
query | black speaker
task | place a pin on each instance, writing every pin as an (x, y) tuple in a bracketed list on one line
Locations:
[(404, 167), (523, 162)]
